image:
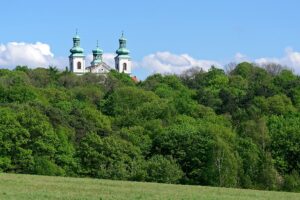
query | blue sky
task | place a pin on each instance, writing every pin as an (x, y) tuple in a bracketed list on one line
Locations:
[(167, 35)]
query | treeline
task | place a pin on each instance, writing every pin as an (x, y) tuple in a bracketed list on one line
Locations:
[(235, 129)]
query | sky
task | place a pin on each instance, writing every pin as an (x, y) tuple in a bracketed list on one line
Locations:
[(164, 36)]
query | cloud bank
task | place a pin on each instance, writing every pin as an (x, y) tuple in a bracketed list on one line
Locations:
[(40, 55), (32, 54), (290, 59), (166, 62)]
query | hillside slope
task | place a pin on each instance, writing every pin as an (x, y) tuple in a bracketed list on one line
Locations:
[(239, 129), (18, 186)]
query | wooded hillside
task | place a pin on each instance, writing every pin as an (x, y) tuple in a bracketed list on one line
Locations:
[(235, 129)]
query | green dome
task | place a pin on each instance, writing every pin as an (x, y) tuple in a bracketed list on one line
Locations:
[(96, 62), (97, 51), (122, 51), (76, 49), (97, 55), (122, 46), (122, 38), (76, 37)]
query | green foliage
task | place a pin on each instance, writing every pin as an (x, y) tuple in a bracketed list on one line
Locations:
[(139, 137), (44, 166), (285, 142), (108, 157), (163, 170), (280, 105), (125, 99), (199, 146), (22, 68), (210, 128), (292, 182), (14, 156), (86, 120), (249, 154), (209, 89)]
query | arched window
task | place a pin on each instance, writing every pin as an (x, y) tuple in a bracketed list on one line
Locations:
[(78, 65), (124, 66)]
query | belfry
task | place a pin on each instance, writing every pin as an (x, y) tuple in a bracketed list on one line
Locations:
[(122, 60), (98, 66), (77, 58)]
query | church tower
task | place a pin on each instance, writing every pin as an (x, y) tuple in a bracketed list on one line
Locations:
[(77, 58), (97, 56), (123, 60)]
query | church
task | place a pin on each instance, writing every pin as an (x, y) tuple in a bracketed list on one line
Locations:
[(98, 66)]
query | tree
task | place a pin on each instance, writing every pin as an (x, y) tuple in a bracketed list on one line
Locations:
[(23, 68), (116, 80), (87, 119), (125, 99), (273, 68), (292, 182), (53, 72), (197, 146), (258, 131), (260, 81), (234, 95), (285, 142), (47, 146), (230, 67), (210, 86), (14, 156), (249, 154), (139, 137), (163, 170), (234, 129), (40, 77), (69, 80), (110, 157), (280, 105)]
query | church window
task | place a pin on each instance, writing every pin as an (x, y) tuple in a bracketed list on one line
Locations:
[(124, 66), (78, 65)]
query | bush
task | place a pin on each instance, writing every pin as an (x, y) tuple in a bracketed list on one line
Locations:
[(292, 182), (163, 170), (44, 166)]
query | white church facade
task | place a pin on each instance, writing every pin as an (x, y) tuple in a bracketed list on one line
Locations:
[(98, 66)]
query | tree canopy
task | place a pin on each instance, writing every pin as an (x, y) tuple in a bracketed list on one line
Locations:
[(234, 129)]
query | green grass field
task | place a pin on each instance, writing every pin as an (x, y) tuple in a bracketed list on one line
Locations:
[(16, 186)]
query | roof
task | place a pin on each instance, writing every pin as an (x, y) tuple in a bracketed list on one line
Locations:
[(122, 51), (135, 79), (103, 64)]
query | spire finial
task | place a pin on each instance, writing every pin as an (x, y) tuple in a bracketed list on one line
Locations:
[(97, 44), (122, 33), (76, 31)]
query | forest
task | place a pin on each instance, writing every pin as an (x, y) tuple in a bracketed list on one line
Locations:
[(230, 128)]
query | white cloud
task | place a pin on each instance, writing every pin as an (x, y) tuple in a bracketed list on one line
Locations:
[(109, 58), (290, 59), (88, 59), (34, 55), (40, 55), (166, 62)]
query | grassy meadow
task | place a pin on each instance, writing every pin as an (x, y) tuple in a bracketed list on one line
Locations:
[(16, 186)]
